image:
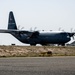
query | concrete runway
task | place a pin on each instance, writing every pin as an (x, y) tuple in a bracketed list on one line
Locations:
[(37, 66)]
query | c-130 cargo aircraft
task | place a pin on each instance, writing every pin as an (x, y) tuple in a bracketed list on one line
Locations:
[(36, 37)]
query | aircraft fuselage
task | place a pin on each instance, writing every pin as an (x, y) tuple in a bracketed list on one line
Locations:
[(45, 38)]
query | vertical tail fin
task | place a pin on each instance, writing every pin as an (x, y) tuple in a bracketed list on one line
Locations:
[(11, 21)]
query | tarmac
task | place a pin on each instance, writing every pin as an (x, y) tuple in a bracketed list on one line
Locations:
[(64, 65)]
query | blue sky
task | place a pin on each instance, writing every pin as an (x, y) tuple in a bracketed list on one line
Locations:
[(43, 14)]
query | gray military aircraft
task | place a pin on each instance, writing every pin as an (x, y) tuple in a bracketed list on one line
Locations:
[(36, 37)]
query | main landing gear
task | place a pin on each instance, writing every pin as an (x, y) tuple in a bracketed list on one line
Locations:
[(32, 44)]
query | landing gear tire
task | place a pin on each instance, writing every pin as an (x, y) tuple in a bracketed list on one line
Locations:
[(32, 44), (63, 44)]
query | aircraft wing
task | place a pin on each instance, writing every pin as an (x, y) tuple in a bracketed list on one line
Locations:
[(10, 30), (29, 33), (3, 31)]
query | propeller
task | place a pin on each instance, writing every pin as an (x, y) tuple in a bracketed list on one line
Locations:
[(34, 33), (20, 28), (33, 29), (60, 29)]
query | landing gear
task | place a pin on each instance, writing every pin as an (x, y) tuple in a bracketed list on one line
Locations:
[(32, 44), (45, 44), (63, 44)]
